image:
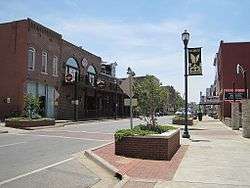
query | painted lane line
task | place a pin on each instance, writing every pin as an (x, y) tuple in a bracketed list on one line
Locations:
[(7, 145), (67, 137), (35, 171), (62, 130)]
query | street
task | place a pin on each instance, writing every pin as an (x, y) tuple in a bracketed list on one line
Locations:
[(47, 157)]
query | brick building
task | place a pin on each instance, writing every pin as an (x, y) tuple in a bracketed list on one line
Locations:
[(226, 60), (35, 59)]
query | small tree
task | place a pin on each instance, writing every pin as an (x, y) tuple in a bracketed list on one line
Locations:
[(151, 96), (31, 106)]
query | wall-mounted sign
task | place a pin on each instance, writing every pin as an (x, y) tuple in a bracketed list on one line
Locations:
[(68, 78), (229, 94), (84, 63), (194, 67)]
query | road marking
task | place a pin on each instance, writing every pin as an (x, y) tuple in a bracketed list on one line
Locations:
[(12, 144), (63, 130), (67, 137), (34, 171)]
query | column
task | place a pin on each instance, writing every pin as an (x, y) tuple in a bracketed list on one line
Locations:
[(235, 117), (246, 118)]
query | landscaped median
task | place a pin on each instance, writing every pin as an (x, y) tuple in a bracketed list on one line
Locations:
[(23, 122), (159, 143)]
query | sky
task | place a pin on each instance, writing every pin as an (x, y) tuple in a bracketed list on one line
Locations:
[(143, 34)]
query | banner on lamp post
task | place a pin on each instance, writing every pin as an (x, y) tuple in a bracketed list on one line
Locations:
[(194, 67)]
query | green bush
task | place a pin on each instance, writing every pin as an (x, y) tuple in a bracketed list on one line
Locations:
[(32, 106), (142, 130)]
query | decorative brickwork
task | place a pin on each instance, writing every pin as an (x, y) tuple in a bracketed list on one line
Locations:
[(246, 118), (149, 147)]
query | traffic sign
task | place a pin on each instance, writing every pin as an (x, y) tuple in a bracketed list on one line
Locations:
[(68, 78), (125, 86), (127, 102)]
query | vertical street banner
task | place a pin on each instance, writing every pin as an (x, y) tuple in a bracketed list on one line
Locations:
[(194, 67)]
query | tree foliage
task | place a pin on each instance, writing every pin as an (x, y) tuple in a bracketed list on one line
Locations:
[(31, 106), (151, 96)]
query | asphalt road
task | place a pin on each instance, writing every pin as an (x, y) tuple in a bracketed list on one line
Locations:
[(45, 158)]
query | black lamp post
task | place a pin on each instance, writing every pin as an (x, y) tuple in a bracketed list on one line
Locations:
[(185, 38), (240, 69), (130, 75), (116, 105)]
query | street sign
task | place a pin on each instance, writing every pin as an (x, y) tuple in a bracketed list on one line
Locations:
[(68, 78), (127, 102), (125, 86)]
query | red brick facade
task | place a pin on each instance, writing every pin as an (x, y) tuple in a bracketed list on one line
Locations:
[(148, 147), (228, 56), (16, 38)]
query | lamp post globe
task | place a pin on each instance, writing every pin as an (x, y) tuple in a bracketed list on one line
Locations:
[(185, 37)]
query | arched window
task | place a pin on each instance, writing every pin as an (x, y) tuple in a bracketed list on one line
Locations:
[(72, 68), (55, 66), (44, 62), (31, 58), (91, 75)]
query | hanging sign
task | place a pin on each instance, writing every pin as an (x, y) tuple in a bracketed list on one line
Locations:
[(194, 67)]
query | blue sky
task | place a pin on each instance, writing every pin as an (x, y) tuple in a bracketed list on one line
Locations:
[(143, 34)]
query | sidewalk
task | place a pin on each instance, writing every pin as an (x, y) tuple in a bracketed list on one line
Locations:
[(214, 157)]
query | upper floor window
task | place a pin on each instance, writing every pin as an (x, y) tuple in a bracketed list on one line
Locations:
[(91, 75), (31, 58), (44, 62), (72, 69), (55, 66)]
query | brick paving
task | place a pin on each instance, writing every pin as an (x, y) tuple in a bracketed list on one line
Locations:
[(142, 169)]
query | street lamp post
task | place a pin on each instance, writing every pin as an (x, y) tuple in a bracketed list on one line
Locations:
[(116, 105), (130, 75), (185, 38), (240, 69)]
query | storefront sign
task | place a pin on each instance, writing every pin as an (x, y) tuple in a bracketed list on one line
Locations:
[(194, 55), (229, 94)]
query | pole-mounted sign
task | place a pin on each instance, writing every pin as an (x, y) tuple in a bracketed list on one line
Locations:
[(194, 67)]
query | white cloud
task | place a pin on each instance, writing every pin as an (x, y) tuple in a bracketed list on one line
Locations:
[(149, 48)]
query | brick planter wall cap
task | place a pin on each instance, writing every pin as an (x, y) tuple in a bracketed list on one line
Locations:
[(165, 135)]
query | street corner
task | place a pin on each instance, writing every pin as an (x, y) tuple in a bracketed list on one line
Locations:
[(134, 171)]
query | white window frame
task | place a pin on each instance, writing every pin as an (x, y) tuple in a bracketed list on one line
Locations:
[(45, 54), (55, 66), (33, 51)]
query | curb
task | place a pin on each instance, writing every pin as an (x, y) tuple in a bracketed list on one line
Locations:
[(107, 166), (3, 132)]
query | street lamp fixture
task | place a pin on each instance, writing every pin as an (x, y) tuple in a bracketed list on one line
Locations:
[(116, 105), (130, 75), (185, 38), (240, 69)]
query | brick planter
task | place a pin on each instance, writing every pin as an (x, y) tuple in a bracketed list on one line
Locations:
[(182, 122), (156, 147), (29, 123)]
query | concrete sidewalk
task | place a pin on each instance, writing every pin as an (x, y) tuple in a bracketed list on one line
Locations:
[(216, 157)]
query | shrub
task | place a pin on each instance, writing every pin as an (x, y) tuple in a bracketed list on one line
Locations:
[(142, 130), (32, 106)]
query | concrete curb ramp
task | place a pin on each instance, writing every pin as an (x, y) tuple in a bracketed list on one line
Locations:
[(107, 166)]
